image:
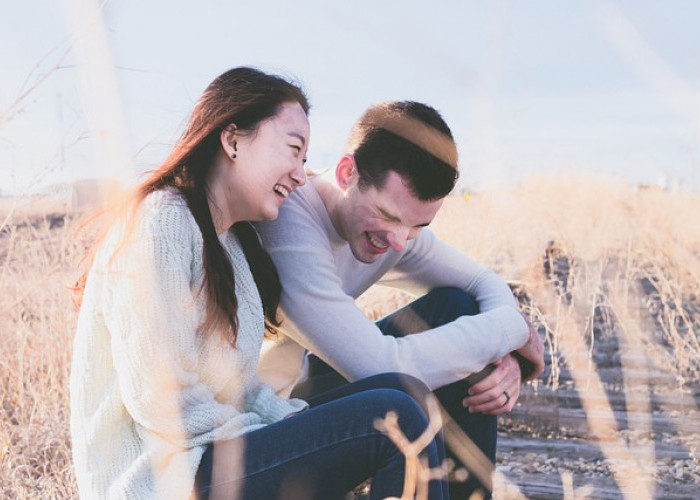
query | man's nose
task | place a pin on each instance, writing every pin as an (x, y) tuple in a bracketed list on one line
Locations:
[(397, 238)]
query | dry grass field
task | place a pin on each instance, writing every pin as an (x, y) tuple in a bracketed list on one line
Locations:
[(610, 273)]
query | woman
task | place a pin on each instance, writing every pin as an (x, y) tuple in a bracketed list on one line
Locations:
[(164, 396)]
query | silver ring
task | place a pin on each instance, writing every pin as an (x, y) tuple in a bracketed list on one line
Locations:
[(505, 393)]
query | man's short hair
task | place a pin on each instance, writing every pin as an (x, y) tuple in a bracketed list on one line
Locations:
[(409, 138)]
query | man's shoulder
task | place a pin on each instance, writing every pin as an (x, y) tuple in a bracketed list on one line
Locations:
[(301, 218), (424, 242), (300, 205)]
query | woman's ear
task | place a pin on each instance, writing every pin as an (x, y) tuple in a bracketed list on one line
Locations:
[(228, 140), (345, 171)]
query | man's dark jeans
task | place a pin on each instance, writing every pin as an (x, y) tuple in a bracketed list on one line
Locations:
[(439, 306)]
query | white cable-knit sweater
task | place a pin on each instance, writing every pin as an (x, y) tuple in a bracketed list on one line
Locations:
[(147, 392)]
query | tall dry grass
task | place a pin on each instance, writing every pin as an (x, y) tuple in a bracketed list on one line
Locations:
[(629, 254), (587, 256), (37, 320), (596, 260)]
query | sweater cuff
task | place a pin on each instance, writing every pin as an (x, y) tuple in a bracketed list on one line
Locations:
[(283, 407), (515, 330)]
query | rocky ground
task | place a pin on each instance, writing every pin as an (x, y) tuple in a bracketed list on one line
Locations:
[(547, 448), (630, 421)]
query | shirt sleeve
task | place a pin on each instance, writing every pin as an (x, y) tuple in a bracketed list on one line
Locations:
[(153, 318), (325, 320), (430, 263)]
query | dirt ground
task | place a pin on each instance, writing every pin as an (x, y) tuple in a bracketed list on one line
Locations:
[(547, 449)]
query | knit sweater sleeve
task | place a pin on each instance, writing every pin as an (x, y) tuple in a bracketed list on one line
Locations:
[(153, 316), (263, 400)]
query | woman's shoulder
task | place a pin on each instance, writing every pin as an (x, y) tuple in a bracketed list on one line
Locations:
[(166, 207), (167, 198), (164, 217)]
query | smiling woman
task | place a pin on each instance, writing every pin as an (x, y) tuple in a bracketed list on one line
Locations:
[(269, 164), (174, 304)]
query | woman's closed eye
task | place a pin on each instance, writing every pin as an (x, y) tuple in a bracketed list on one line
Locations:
[(298, 150)]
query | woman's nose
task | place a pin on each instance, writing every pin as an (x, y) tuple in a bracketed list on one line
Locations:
[(299, 176)]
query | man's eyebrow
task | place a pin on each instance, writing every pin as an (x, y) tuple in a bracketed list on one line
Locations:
[(298, 136), (395, 218)]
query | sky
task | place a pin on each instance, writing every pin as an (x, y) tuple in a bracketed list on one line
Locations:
[(611, 88)]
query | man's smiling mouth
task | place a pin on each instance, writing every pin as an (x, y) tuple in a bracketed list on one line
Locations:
[(379, 245)]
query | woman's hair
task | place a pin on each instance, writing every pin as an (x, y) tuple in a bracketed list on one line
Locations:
[(245, 97)]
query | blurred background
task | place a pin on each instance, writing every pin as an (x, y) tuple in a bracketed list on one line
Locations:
[(102, 89), (604, 257)]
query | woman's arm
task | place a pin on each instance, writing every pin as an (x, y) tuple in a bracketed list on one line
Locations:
[(153, 317)]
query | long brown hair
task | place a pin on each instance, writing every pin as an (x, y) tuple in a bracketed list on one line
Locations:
[(246, 97)]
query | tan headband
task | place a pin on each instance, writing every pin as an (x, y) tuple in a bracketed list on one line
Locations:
[(427, 138)]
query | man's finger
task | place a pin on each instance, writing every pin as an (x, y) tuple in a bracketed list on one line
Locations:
[(492, 396), (500, 404), (493, 379)]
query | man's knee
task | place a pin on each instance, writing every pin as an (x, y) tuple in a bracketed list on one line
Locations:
[(400, 382), (456, 300)]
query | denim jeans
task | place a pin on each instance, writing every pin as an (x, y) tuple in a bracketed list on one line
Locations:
[(436, 308), (324, 452)]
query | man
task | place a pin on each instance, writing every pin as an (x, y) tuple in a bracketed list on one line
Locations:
[(365, 223)]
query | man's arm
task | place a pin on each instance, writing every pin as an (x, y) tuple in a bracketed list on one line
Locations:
[(432, 262), (326, 320)]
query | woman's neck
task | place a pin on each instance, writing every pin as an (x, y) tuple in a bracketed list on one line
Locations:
[(220, 196)]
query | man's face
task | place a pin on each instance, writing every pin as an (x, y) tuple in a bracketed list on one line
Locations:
[(375, 221)]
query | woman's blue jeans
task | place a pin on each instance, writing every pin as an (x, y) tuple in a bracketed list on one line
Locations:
[(439, 306), (326, 451)]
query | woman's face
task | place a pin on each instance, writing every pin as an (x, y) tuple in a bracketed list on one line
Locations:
[(269, 163)]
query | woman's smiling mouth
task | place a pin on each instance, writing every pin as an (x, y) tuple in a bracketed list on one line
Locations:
[(281, 190)]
